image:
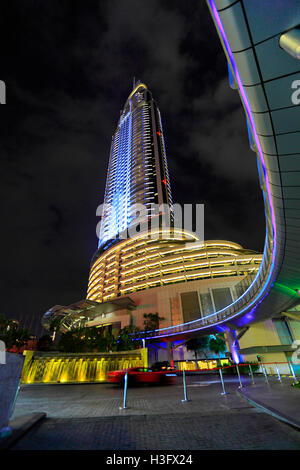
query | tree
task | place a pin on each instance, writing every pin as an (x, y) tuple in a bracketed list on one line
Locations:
[(95, 340), (125, 341), (197, 345), (15, 336), (87, 339), (217, 344), (90, 338), (7, 324), (151, 321), (11, 334), (72, 341), (44, 343), (111, 342), (55, 326)]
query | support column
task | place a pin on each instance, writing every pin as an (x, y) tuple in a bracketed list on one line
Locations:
[(232, 345), (170, 353)]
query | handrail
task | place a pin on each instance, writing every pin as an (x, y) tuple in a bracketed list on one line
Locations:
[(240, 364)]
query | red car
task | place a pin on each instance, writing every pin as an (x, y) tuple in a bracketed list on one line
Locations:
[(142, 375)]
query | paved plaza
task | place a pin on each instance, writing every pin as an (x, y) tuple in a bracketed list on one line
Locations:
[(87, 416)]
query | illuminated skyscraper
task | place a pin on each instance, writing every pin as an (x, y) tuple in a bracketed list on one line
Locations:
[(175, 274), (137, 170)]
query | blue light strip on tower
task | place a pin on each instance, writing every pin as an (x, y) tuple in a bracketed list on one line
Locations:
[(117, 193)]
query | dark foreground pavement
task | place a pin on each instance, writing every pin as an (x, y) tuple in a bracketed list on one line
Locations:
[(88, 417), (278, 399), (247, 431)]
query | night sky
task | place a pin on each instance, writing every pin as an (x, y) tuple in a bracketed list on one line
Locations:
[(69, 67)]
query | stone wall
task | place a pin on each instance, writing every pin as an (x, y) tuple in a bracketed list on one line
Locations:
[(10, 374)]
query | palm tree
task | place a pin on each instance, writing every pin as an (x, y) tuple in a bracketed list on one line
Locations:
[(125, 342), (151, 321), (6, 324), (16, 337), (111, 342), (55, 326), (197, 344), (217, 344), (73, 340)]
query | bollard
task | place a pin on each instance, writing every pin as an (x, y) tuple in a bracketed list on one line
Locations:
[(265, 374), (184, 387), (124, 407), (293, 372), (222, 381), (278, 373), (251, 373), (237, 368)]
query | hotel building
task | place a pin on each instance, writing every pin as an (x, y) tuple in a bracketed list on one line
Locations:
[(175, 274)]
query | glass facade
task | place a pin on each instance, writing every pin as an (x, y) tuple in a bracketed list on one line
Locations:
[(190, 306), (206, 304), (222, 297)]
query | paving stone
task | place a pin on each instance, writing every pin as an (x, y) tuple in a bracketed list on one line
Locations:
[(88, 417), (181, 432)]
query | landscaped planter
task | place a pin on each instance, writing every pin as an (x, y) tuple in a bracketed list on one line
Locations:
[(10, 376)]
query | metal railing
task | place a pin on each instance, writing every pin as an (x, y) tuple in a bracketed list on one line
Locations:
[(220, 369)]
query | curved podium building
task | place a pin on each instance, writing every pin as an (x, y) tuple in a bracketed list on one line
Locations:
[(180, 278)]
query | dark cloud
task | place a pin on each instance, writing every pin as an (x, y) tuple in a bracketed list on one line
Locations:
[(68, 67)]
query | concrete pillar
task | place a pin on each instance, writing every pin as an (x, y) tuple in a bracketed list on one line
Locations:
[(10, 375), (170, 353), (232, 345)]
